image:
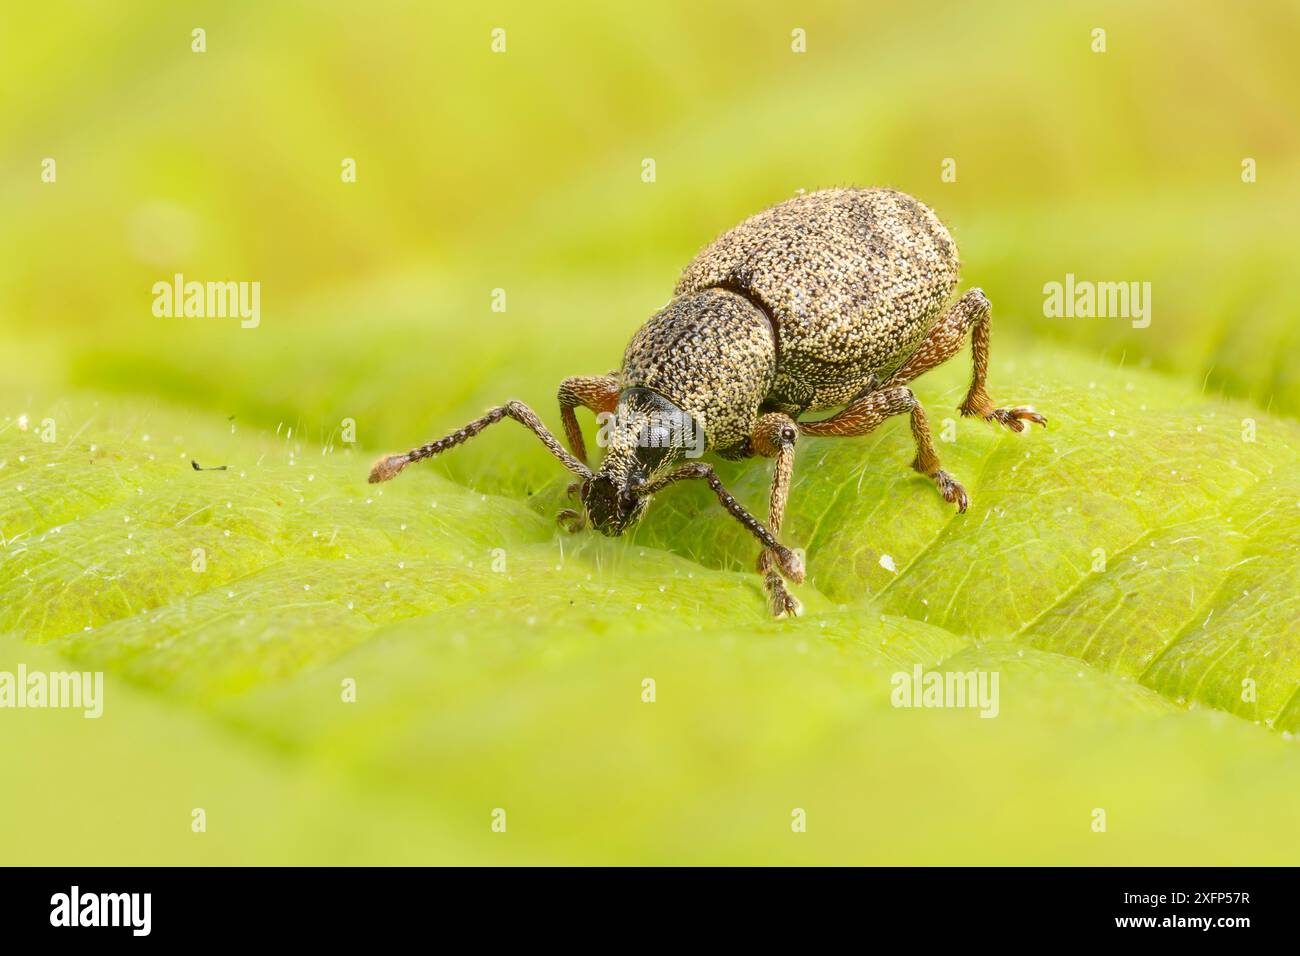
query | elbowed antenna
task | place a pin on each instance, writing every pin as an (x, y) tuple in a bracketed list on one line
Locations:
[(789, 562), (389, 466)]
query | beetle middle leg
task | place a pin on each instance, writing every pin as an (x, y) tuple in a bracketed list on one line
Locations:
[(971, 312), (864, 414), (774, 436)]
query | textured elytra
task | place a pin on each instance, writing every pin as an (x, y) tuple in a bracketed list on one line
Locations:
[(852, 278)]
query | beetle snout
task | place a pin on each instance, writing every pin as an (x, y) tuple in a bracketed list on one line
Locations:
[(611, 509)]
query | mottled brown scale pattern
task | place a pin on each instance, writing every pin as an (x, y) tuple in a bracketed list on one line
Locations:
[(712, 353), (852, 278)]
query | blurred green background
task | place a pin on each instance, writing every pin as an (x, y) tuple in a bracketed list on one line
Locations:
[(522, 171)]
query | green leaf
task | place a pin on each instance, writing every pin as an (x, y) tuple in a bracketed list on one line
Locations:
[(1123, 571)]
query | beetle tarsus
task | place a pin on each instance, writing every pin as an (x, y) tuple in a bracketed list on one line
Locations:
[(1015, 418), (952, 491), (571, 521), (780, 601)]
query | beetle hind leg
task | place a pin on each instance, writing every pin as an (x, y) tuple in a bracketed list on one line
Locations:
[(971, 312), (862, 416)]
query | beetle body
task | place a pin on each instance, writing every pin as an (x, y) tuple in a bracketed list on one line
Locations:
[(834, 298), (801, 307)]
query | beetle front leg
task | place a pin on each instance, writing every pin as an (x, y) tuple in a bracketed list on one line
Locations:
[(597, 392), (774, 436), (389, 466)]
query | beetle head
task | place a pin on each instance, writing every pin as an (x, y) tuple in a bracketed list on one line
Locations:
[(612, 507), (643, 440)]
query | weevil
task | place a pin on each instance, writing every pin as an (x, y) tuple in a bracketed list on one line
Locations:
[(834, 299)]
